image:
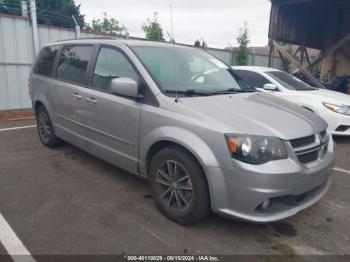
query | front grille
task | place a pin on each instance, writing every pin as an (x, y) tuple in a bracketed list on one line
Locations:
[(308, 157), (311, 148), (304, 141)]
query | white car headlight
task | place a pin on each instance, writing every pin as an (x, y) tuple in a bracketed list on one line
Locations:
[(340, 109)]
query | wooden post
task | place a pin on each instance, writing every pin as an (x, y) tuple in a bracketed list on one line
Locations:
[(301, 68), (328, 52), (282, 58), (273, 24)]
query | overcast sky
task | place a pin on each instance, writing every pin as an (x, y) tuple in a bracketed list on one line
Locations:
[(217, 21)]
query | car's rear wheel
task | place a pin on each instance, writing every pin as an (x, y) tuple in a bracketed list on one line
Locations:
[(45, 130), (179, 186)]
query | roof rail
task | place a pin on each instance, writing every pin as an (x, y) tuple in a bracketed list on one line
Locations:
[(91, 38)]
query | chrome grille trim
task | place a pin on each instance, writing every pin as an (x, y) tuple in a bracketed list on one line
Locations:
[(301, 142), (311, 148)]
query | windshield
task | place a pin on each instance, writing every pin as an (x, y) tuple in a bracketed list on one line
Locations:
[(189, 71), (289, 81)]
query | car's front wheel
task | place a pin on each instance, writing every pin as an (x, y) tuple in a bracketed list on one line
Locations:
[(179, 186)]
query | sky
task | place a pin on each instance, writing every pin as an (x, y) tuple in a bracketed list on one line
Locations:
[(216, 21)]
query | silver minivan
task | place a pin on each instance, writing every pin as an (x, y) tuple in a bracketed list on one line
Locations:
[(181, 118)]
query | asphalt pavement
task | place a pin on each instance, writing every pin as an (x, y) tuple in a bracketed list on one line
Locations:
[(65, 201)]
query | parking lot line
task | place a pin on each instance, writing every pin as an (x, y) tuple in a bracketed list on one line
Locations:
[(15, 128), (342, 170), (12, 243)]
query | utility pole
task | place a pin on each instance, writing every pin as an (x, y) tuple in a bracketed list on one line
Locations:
[(34, 26), (77, 27), (24, 8), (231, 54), (126, 32)]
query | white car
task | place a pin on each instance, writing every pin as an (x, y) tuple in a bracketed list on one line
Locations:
[(334, 107)]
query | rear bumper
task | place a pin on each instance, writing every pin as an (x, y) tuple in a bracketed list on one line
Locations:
[(289, 186)]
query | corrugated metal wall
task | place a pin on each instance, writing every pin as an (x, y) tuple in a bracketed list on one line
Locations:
[(17, 56)]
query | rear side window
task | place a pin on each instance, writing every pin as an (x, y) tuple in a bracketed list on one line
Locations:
[(73, 64), (252, 78), (45, 61), (111, 64)]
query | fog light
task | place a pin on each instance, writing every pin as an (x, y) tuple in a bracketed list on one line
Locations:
[(265, 205)]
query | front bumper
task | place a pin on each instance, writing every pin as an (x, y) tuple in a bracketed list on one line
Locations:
[(240, 192), (335, 122)]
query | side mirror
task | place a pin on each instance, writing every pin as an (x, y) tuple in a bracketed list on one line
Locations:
[(125, 86), (270, 87)]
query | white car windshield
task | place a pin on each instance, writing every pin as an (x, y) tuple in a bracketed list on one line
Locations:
[(289, 81), (189, 71)]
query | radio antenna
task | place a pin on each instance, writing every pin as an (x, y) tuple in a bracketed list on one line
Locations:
[(173, 43)]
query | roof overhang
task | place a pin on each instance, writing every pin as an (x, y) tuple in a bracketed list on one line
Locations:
[(313, 23)]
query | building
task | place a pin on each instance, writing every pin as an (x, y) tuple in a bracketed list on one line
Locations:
[(317, 24)]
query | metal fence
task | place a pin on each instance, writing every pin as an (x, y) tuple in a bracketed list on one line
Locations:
[(17, 56)]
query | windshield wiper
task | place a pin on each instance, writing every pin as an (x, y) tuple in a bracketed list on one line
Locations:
[(231, 91), (188, 92)]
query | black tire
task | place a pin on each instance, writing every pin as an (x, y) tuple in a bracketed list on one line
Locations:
[(186, 206), (44, 127)]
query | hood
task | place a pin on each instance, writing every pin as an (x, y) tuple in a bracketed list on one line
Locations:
[(256, 114), (332, 96)]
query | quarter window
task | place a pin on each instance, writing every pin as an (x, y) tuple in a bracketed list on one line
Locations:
[(111, 64), (73, 64), (45, 61)]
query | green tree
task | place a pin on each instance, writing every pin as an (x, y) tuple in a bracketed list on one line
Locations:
[(49, 12), (59, 13), (242, 55), (108, 25), (11, 7), (153, 29)]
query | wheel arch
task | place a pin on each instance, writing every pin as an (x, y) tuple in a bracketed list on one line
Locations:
[(194, 145), (159, 145), (43, 101), (155, 140)]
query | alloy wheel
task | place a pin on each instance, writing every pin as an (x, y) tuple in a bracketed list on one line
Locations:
[(174, 185), (44, 126)]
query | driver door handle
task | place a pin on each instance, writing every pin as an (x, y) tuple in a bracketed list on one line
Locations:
[(91, 100), (77, 96)]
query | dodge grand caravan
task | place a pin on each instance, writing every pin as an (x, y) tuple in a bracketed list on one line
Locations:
[(203, 138)]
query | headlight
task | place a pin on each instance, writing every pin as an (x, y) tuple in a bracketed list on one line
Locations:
[(255, 150), (340, 109)]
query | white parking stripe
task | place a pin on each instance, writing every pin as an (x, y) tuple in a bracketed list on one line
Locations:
[(342, 170), (12, 243), (16, 128)]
